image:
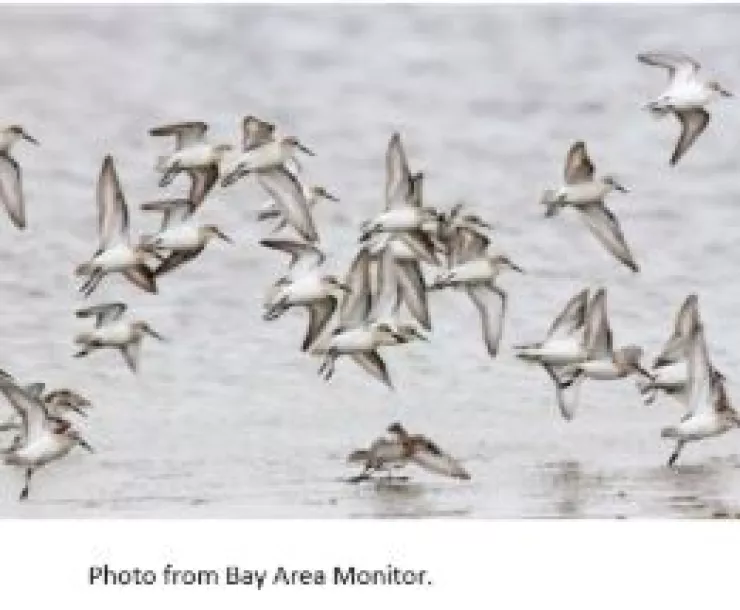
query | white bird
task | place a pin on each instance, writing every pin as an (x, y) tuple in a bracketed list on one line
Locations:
[(404, 448), (43, 438), (709, 411), (262, 151), (115, 252), (313, 194), (564, 345), (112, 331), (585, 193), (685, 96), (192, 153), (289, 197), (180, 236), (11, 188), (476, 271)]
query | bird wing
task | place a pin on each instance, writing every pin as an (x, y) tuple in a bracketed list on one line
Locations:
[(679, 66), (104, 313), (598, 334), (693, 122), (130, 353), (357, 303), (413, 290), (430, 457), (298, 249), (319, 315), (177, 259), (398, 185), (256, 132), (30, 408), (11, 191), (287, 192), (186, 133), (605, 227), (202, 180), (113, 220), (571, 318), (700, 393), (373, 364), (676, 347), (491, 304), (578, 166), (467, 245), (173, 211)]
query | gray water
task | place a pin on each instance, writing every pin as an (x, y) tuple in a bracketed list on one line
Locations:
[(229, 419)]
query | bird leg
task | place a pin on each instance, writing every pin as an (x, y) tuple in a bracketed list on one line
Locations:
[(674, 455), (24, 491)]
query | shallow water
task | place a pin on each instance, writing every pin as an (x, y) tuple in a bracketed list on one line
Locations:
[(229, 419)]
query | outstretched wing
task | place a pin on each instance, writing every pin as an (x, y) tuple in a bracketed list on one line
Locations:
[(287, 192), (679, 65), (693, 122), (256, 132), (578, 166), (113, 221), (104, 313), (398, 183), (605, 227), (571, 318), (186, 133), (11, 192), (490, 301)]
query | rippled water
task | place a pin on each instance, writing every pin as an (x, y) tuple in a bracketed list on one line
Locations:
[(228, 418)]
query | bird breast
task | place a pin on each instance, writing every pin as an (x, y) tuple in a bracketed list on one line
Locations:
[(583, 192), (114, 334), (399, 219), (354, 340), (41, 450), (602, 369), (478, 270), (181, 237), (117, 258), (198, 155)]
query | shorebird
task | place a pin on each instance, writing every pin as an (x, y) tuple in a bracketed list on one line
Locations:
[(476, 271), (709, 410), (43, 439), (111, 331), (192, 154), (602, 361), (564, 345), (289, 197), (359, 332), (179, 236), (318, 293), (11, 189), (300, 251), (670, 369), (313, 194), (386, 454), (685, 96), (115, 252), (585, 193), (262, 151)]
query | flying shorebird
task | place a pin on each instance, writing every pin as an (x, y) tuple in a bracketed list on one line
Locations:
[(685, 96), (564, 345), (476, 270), (192, 154), (180, 237), (43, 439), (403, 448), (262, 151), (586, 193), (111, 331), (359, 331), (11, 189), (709, 410), (602, 361), (115, 252), (299, 250), (271, 209)]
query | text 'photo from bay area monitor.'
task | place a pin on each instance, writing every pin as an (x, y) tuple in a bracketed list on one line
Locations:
[(397, 261)]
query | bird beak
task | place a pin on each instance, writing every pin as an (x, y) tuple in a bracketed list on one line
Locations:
[(516, 267), (641, 369), (85, 445), (304, 149), (224, 237), (154, 333), (29, 138)]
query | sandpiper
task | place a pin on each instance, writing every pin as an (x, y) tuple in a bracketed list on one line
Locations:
[(115, 252), (43, 438), (709, 410), (180, 237), (386, 454), (111, 331), (585, 193), (192, 152), (313, 194), (11, 188), (685, 96)]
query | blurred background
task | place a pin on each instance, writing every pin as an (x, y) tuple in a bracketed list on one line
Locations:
[(229, 419)]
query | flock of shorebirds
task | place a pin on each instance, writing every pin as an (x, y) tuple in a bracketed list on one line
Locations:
[(356, 315)]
